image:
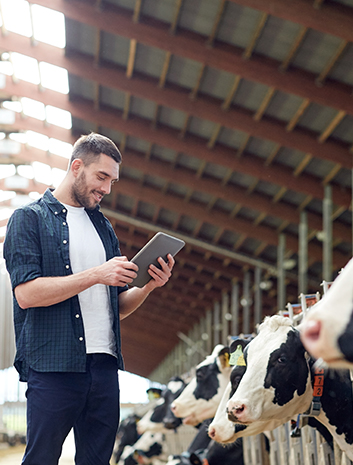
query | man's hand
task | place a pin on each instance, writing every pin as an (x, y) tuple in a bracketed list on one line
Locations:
[(160, 276), (117, 271)]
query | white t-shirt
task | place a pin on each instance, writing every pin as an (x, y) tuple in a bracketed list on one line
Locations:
[(86, 251)]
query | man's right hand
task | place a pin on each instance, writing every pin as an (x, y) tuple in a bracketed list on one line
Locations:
[(117, 271)]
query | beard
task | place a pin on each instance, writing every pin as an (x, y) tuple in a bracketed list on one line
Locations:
[(81, 194)]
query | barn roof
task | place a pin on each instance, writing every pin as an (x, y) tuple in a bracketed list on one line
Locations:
[(232, 117)]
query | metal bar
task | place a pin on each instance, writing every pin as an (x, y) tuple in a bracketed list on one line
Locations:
[(225, 319), (216, 323), (234, 305), (258, 297), (209, 340), (327, 228), (246, 303), (303, 254), (281, 284)]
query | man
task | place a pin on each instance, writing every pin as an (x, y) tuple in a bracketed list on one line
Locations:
[(70, 286)]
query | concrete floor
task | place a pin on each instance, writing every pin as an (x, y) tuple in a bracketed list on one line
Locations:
[(13, 455)]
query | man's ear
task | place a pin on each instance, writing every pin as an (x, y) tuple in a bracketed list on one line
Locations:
[(76, 166)]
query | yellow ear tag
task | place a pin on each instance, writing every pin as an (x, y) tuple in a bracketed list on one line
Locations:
[(237, 357)]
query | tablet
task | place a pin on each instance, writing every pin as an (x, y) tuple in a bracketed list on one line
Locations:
[(159, 246)]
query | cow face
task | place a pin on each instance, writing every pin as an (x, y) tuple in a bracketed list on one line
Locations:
[(222, 429), (276, 383), (174, 388), (327, 331), (200, 398)]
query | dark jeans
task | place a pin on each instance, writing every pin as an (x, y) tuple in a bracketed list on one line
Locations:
[(88, 402)]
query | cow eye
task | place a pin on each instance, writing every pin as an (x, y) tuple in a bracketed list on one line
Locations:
[(282, 359)]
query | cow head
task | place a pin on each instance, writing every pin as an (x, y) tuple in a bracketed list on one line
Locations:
[(200, 398), (327, 331), (276, 383), (174, 388)]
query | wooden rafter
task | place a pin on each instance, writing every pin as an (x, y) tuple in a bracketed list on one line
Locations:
[(294, 49), (193, 146), (216, 22), (330, 65), (267, 73), (256, 35), (264, 104), (131, 59), (174, 24), (332, 126)]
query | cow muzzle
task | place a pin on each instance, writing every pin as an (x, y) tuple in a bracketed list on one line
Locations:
[(237, 412)]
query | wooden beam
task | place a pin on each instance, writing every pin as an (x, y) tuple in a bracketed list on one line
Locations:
[(260, 70), (202, 108), (170, 138)]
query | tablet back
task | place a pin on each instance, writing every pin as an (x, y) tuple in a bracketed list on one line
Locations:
[(159, 246)]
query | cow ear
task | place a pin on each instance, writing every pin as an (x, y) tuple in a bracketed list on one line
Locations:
[(238, 341), (223, 356)]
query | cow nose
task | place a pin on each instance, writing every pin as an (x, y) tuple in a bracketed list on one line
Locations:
[(212, 432), (173, 408), (236, 411), (311, 330)]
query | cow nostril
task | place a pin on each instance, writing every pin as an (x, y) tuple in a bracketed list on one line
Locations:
[(239, 409), (212, 433), (312, 330)]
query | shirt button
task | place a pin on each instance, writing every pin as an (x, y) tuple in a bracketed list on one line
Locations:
[(64, 224), (77, 315), (64, 210), (67, 267), (81, 338), (64, 241), (55, 213)]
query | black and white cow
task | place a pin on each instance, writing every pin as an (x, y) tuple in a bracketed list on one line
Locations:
[(221, 428), (206, 452), (280, 381), (160, 416), (200, 398), (127, 435), (327, 330), (150, 448)]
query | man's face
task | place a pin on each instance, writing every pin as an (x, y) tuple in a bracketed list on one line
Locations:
[(94, 181)]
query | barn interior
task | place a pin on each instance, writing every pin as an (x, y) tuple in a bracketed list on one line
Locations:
[(235, 122)]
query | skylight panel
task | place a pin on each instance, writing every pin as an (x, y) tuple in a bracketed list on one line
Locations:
[(6, 66), (58, 147), (48, 26), (54, 77), (13, 106), (26, 171), (7, 171), (25, 68), (33, 108), (42, 173), (38, 141), (5, 213), (17, 17), (6, 195), (58, 117), (57, 176), (20, 137)]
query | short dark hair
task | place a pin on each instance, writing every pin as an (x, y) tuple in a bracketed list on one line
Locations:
[(91, 146)]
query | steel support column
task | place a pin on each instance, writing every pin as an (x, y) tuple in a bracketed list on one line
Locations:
[(327, 239), (303, 254), (281, 274)]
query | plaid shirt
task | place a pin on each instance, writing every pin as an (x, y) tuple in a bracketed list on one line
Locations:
[(37, 245)]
